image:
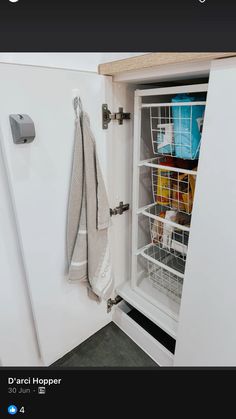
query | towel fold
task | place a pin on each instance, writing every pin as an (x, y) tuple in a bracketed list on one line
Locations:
[(88, 215)]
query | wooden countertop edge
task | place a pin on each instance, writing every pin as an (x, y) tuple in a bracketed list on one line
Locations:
[(158, 59)]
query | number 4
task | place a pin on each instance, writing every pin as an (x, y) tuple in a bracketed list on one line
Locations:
[(22, 409)]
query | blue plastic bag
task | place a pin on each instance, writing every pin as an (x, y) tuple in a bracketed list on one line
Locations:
[(188, 122)]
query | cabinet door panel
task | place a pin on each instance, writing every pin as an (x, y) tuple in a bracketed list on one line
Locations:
[(39, 175), (206, 334)]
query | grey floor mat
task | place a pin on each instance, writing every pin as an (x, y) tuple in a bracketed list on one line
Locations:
[(109, 347)]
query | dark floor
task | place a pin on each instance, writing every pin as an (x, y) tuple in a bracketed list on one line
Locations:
[(109, 347)]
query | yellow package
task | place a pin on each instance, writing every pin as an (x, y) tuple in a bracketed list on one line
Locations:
[(163, 187)]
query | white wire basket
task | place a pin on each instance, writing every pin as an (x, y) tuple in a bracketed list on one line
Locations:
[(164, 272), (169, 230), (174, 188), (176, 129)]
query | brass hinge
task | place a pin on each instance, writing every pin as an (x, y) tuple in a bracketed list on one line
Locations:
[(107, 116), (120, 209), (111, 303)]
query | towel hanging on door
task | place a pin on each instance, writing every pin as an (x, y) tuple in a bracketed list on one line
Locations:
[(88, 213)]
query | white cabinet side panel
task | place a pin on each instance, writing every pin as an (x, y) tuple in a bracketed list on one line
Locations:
[(120, 181), (206, 334), (40, 174)]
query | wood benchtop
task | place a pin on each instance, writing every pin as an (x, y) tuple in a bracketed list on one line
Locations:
[(158, 59)]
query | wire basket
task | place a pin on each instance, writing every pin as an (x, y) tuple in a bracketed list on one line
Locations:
[(169, 231), (174, 188), (176, 129), (165, 279)]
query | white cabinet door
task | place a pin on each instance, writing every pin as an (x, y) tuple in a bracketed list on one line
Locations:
[(206, 334), (18, 344), (39, 175)]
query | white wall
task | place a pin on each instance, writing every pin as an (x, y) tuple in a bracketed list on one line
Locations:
[(75, 61)]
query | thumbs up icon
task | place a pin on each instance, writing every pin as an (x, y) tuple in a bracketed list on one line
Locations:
[(12, 410)]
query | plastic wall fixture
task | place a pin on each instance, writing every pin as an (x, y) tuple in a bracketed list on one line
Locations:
[(23, 129)]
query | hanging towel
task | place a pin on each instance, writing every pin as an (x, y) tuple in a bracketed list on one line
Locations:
[(88, 214)]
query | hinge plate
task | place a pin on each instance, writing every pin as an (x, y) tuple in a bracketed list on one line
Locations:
[(120, 209), (111, 303), (107, 116)]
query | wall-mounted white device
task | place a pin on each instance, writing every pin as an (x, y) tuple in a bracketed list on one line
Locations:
[(23, 129)]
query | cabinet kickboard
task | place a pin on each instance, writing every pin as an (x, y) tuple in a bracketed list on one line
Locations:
[(155, 331)]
